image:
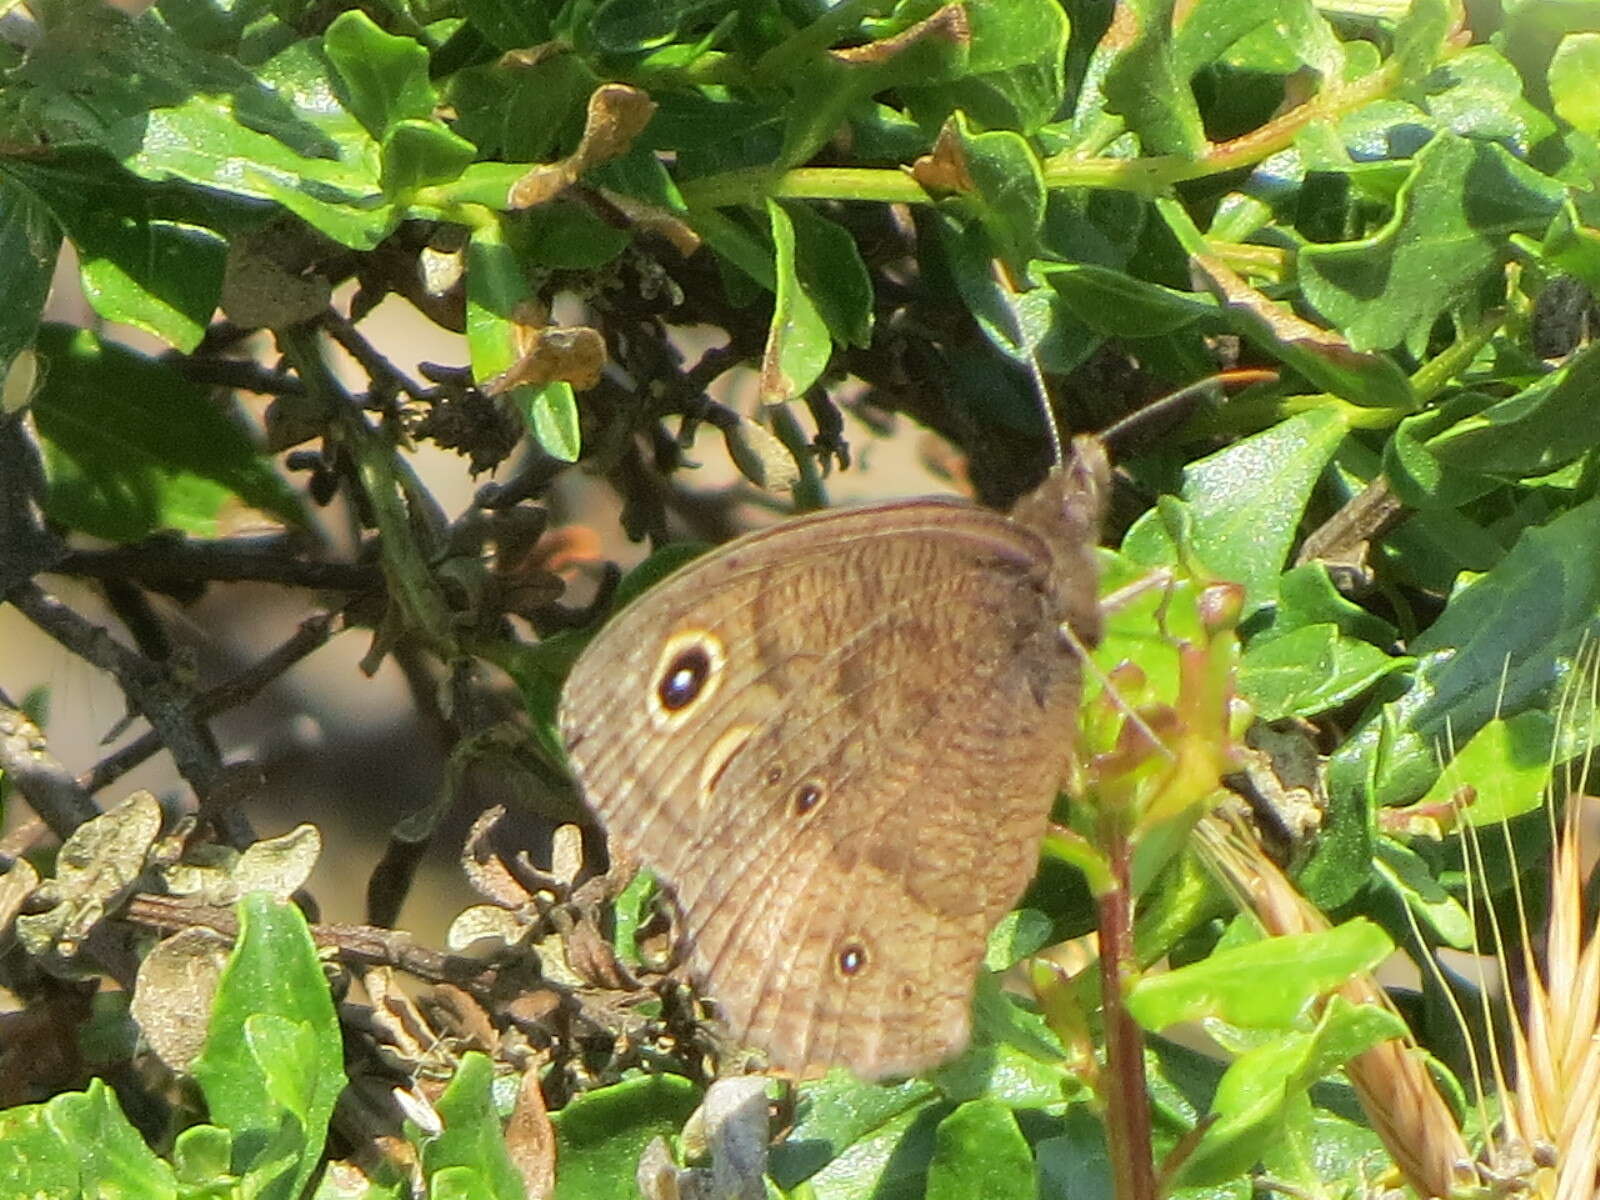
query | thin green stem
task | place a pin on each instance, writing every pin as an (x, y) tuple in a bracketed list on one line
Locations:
[(385, 483)]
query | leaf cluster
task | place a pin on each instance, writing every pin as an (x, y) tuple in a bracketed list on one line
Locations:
[(1360, 244)]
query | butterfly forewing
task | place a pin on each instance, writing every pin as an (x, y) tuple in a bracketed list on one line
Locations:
[(837, 742)]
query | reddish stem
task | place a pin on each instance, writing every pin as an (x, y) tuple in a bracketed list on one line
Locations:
[(1126, 1094)]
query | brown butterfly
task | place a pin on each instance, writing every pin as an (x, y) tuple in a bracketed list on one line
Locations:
[(837, 742)]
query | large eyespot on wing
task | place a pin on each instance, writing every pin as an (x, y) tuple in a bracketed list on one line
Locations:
[(686, 678)]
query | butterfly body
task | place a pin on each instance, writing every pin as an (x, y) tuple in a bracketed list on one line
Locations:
[(836, 742)]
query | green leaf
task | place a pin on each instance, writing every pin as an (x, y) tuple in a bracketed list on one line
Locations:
[(383, 78), (202, 1155), (507, 24), (131, 445), (1021, 932), (831, 272), (459, 1183), (1075, 1162), (1227, 984), (1310, 670), (1148, 87), (30, 239), (600, 1134), (112, 1156), (1013, 74), (1536, 431), (1506, 762), (1403, 870), (498, 293), (300, 149), (1004, 189), (1253, 1098), (1573, 247), (420, 154), (1505, 642), (1478, 94), (1307, 596), (273, 1002), (1246, 502), (550, 415), (144, 258), (95, 66), (888, 1159), (1114, 302), (1573, 69), (979, 1151), (472, 1135), (33, 1159), (798, 346), (1323, 358), (1448, 229)]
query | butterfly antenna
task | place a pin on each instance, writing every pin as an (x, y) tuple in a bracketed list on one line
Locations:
[(1041, 392), (1027, 351)]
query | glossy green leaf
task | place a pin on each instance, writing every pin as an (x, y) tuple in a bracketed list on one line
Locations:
[(472, 1135), (1013, 74), (507, 24), (1479, 94), (1149, 88), (1020, 933), (1227, 984), (1115, 302), (1573, 69), (202, 1155), (978, 1150), (830, 270), (382, 79), (1506, 763), (419, 154), (550, 415), (798, 344), (1252, 1101), (1322, 357), (1075, 1162), (498, 294), (1006, 192), (93, 66), (111, 1154), (1451, 216), (1310, 670), (1534, 432), (133, 447), (1246, 502), (1574, 246), (299, 149), (273, 1062), (1403, 871), (600, 1134), (33, 1159), (144, 258), (1505, 641)]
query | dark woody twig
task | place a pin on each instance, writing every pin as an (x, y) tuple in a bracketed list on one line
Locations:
[(157, 562), (38, 776), (364, 945), (241, 689), (153, 690), (378, 368)]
